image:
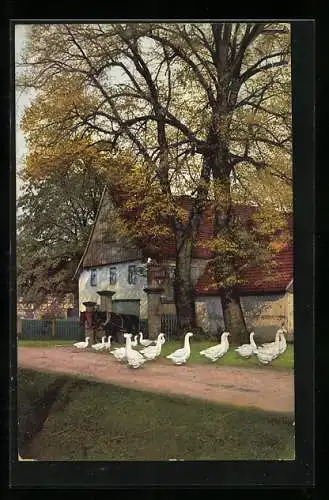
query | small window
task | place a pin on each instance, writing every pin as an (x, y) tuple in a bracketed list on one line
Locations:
[(132, 274), (93, 277), (113, 275)]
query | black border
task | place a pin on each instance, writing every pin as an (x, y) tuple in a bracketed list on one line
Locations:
[(242, 474)]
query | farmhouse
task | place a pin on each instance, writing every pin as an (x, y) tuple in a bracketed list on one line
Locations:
[(120, 276)]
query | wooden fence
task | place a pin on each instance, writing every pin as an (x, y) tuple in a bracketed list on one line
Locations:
[(69, 329), (47, 329), (168, 325)]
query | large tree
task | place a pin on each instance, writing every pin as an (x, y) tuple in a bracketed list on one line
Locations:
[(194, 101), (243, 72)]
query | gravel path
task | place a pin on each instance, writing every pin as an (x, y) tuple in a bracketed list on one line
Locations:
[(265, 388)]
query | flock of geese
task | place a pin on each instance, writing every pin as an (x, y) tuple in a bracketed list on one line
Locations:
[(135, 359), (265, 353)]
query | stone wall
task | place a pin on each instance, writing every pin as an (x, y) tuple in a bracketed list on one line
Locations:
[(263, 314)]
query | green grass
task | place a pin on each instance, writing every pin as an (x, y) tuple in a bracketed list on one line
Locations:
[(94, 421), (283, 362), (46, 343)]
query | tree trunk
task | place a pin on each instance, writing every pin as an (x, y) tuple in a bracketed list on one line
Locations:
[(233, 316), (232, 311), (183, 289), (185, 237)]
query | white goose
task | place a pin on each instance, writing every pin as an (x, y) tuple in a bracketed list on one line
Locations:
[(135, 359), (180, 356), (134, 343), (265, 357), (153, 351), (145, 342), (282, 342), (100, 345), (108, 343), (266, 354), (120, 353), (82, 345), (246, 350), (217, 351)]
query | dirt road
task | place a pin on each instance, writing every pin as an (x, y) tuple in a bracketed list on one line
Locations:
[(266, 388)]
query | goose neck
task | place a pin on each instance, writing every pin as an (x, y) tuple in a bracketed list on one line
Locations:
[(224, 341), (187, 343), (128, 344)]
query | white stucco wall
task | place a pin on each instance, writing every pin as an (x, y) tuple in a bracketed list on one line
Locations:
[(123, 290)]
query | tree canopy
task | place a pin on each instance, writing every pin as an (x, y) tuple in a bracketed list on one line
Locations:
[(57, 207)]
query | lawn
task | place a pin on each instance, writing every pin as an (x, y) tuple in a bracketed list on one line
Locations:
[(46, 343), (283, 362), (95, 421)]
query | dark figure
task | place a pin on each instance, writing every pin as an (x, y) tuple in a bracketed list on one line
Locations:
[(117, 324)]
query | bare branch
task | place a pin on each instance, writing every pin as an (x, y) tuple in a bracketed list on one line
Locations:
[(179, 52), (235, 159), (258, 69), (251, 33)]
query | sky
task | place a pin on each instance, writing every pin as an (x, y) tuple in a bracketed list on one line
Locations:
[(22, 99)]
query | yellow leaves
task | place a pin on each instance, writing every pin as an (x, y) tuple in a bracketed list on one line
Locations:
[(277, 246), (268, 220), (41, 162), (55, 113), (221, 245), (265, 187)]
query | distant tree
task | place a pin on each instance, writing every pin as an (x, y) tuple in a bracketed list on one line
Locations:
[(58, 204)]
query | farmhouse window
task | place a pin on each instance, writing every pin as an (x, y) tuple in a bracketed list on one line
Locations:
[(132, 274), (93, 277), (113, 275)]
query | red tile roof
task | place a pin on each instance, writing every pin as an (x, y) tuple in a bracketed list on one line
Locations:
[(256, 279)]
